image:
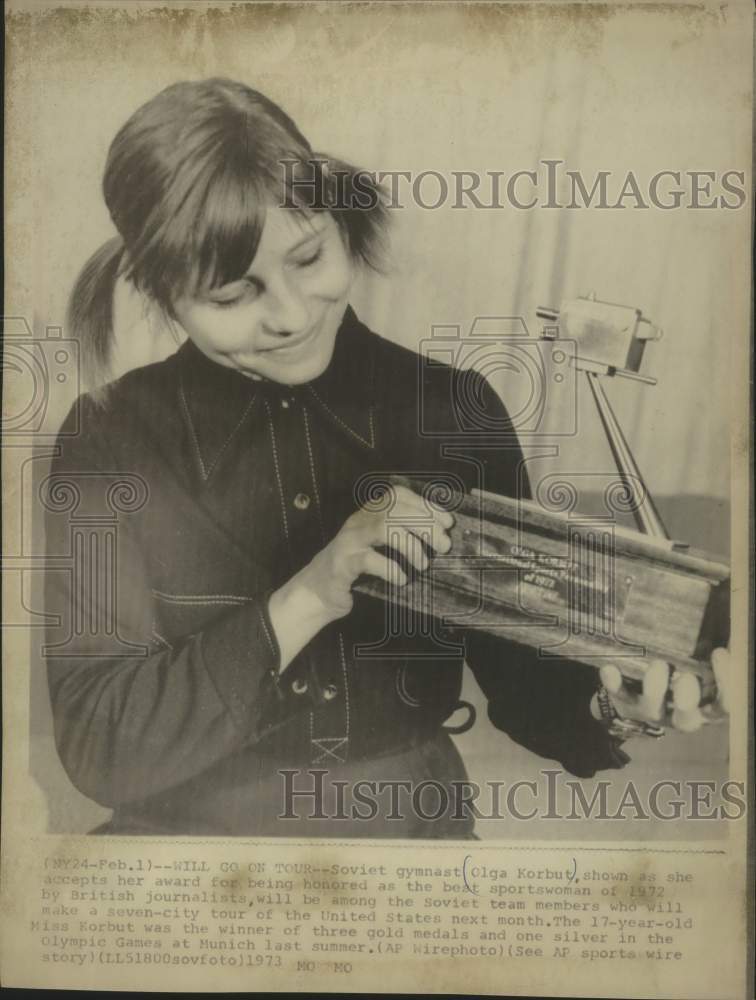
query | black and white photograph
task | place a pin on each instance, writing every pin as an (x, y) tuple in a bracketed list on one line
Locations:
[(375, 433)]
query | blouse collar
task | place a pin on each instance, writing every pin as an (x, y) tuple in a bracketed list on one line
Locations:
[(216, 401)]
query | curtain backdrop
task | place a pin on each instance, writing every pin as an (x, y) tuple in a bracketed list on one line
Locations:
[(486, 91)]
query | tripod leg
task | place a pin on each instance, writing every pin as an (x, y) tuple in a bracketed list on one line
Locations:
[(646, 515)]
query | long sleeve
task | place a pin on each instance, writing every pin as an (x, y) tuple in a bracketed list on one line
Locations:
[(134, 715), (544, 705)]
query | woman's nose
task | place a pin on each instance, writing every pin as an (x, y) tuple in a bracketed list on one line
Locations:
[(286, 312)]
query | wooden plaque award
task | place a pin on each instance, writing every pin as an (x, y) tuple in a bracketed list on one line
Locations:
[(572, 589), (580, 588)]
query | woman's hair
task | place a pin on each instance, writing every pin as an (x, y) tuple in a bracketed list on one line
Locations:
[(187, 182)]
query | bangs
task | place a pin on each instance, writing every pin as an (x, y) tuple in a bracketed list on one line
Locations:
[(211, 237), (196, 219)]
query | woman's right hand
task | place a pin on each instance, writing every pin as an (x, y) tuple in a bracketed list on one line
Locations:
[(353, 551), (322, 591)]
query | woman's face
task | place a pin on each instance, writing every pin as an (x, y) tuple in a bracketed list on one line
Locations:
[(280, 320)]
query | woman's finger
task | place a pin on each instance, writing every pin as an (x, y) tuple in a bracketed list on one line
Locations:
[(406, 544), (720, 664), (655, 684), (432, 529), (444, 518), (686, 697), (686, 691), (432, 534), (611, 678), (687, 722), (419, 505), (374, 564)]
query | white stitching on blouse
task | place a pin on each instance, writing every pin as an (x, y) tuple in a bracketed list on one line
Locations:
[(337, 741), (322, 532), (370, 443), (192, 431), (312, 472), (346, 682), (268, 636), (207, 471), (231, 436), (161, 638), (202, 598), (278, 471)]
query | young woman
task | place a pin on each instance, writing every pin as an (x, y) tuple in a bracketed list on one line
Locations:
[(211, 652)]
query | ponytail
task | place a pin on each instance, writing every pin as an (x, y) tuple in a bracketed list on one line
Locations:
[(90, 312)]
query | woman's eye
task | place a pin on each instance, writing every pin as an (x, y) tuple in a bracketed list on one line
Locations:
[(312, 259), (248, 292)]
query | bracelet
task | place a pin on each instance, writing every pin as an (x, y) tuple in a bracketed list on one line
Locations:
[(619, 727), (608, 712)]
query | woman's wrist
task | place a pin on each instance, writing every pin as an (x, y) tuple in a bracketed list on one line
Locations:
[(297, 614)]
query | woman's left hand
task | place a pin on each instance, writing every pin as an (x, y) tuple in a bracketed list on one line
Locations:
[(687, 714)]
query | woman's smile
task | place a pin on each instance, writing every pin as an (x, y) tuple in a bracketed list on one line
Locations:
[(292, 343)]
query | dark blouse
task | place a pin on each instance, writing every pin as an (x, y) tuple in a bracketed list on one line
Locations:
[(189, 496)]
